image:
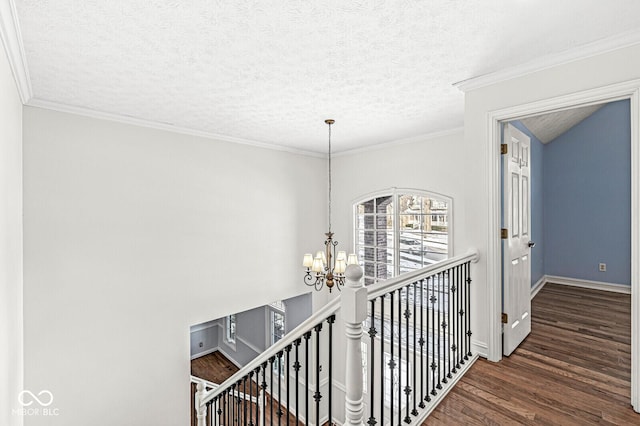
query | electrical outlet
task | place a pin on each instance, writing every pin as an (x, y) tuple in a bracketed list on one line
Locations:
[(200, 344), (602, 267)]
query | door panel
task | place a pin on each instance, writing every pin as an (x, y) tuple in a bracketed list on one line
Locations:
[(515, 249)]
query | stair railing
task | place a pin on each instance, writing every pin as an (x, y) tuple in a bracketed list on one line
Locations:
[(418, 344)]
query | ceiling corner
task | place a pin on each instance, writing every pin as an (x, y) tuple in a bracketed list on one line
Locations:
[(12, 41)]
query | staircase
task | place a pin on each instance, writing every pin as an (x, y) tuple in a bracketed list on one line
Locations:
[(383, 354)]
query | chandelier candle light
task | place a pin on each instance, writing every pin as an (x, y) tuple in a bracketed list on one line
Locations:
[(327, 267)]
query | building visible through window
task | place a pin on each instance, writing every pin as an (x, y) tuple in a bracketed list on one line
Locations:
[(401, 231)]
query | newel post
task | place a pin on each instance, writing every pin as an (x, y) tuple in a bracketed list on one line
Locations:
[(201, 411), (354, 312)]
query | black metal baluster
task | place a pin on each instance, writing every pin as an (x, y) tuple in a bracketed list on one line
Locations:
[(317, 396), (372, 336), (400, 315), (307, 336), (382, 366), (244, 399), (279, 412), (439, 385), (208, 405), (216, 409), (233, 404), (296, 367), (468, 269), (271, 361), (454, 318), (407, 388), (288, 370), (239, 403), (432, 332), (264, 393), (330, 321), (251, 423), (414, 412), (225, 409), (446, 324), (422, 342), (392, 362)]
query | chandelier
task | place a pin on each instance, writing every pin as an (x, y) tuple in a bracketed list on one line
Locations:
[(327, 267)]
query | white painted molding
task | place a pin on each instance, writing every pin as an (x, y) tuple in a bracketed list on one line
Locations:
[(581, 52), (249, 345), (413, 139), (230, 358), (436, 400), (535, 289), (203, 353), (12, 42), (593, 285), (168, 127), (624, 90), (479, 348)]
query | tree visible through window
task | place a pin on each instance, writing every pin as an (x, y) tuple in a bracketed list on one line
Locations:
[(401, 231)]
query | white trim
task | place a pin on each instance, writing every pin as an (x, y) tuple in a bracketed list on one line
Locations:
[(479, 348), (204, 326), (593, 285), (203, 353), (535, 289), (14, 48), (625, 90), (101, 115), (405, 141), (436, 400), (581, 52), (229, 357), (248, 345)]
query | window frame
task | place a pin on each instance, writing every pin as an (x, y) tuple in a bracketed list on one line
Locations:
[(395, 193), (231, 336)]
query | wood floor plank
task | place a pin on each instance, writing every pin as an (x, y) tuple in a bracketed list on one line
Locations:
[(573, 369)]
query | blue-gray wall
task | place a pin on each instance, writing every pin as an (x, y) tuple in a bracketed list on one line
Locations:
[(537, 203), (587, 198)]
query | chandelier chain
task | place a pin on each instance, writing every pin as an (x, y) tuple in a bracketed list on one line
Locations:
[(329, 177)]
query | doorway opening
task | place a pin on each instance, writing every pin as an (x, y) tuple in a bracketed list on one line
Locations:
[(625, 91)]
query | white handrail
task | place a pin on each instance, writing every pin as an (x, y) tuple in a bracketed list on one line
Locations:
[(288, 339), (384, 287), (374, 291)]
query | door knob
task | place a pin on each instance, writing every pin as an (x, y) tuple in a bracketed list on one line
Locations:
[(531, 244)]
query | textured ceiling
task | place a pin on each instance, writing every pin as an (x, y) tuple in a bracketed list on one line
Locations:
[(271, 71), (549, 126)]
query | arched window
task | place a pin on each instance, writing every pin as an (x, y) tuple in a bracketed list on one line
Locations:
[(401, 230)]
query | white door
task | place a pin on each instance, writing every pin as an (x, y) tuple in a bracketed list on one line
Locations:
[(516, 247)]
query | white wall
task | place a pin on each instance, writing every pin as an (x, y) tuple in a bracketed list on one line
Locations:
[(598, 71), (134, 234), (11, 324)]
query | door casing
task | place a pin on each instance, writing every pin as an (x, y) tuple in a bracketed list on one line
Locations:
[(626, 90)]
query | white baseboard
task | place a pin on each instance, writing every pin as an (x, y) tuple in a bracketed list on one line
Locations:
[(479, 348), (203, 353), (230, 358), (538, 286), (574, 282)]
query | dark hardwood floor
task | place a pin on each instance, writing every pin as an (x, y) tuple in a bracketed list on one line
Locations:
[(216, 368), (573, 369)]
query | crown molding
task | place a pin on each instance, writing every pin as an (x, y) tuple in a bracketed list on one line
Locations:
[(55, 106), (595, 48), (12, 42), (413, 139)]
